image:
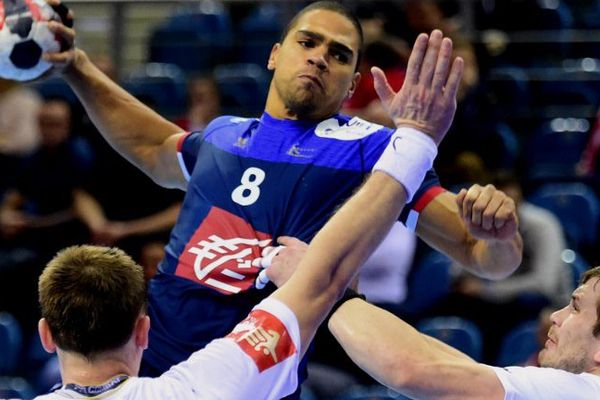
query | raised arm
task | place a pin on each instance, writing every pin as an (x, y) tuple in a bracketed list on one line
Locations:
[(138, 133), (426, 102)]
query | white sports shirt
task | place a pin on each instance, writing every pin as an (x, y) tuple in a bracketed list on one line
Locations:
[(532, 383), (257, 360)]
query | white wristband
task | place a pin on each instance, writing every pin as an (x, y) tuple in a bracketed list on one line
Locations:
[(407, 158)]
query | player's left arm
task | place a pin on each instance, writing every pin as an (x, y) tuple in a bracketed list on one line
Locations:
[(401, 358), (478, 228)]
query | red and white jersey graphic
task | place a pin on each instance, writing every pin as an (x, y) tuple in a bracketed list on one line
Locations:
[(264, 338), (220, 254)]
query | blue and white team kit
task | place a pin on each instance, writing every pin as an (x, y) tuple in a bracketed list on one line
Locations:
[(250, 181)]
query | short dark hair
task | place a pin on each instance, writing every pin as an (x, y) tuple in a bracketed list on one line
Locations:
[(589, 274), (91, 298), (337, 8)]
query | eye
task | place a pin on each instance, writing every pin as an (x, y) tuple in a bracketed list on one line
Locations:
[(574, 307), (341, 57), (307, 43)]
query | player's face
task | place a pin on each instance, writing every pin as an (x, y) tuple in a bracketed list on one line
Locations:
[(571, 345), (314, 67)]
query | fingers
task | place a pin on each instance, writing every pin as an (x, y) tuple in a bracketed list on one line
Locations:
[(290, 241), (382, 87), (485, 207), (415, 60), (454, 78), (460, 199), (441, 67), (66, 15), (66, 33), (431, 58)]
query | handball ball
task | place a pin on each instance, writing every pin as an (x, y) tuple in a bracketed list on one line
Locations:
[(24, 37)]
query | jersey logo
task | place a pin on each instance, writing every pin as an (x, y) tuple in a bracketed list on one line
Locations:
[(223, 253), (300, 152), (354, 129), (264, 338)]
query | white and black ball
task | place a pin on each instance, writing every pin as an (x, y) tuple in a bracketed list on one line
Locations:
[(24, 37)]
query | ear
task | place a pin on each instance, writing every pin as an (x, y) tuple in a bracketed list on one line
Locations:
[(142, 326), (46, 336), (354, 84), (271, 64)]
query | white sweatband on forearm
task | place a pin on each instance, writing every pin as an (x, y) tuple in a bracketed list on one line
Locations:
[(407, 158)]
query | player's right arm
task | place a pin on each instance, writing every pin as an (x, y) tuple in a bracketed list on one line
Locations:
[(139, 134)]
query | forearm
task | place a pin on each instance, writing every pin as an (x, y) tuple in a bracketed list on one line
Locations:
[(372, 336), (341, 247), (131, 128), (160, 221), (496, 259), (88, 210), (400, 357)]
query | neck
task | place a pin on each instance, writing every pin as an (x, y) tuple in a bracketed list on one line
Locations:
[(594, 371), (275, 106), (78, 370)]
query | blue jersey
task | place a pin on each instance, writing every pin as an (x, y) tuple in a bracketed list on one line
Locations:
[(250, 181)]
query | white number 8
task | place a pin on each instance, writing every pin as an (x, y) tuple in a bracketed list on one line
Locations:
[(248, 192)]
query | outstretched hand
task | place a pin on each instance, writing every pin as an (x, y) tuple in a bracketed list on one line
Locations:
[(427, 100), (488, 212)]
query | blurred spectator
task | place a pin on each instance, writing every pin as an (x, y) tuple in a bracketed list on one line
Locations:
[(384, 51), (124, 207), (39, 214), (150, 256), (204, 104), (40, 210), (589, 159), (19, 134), (383, 276)]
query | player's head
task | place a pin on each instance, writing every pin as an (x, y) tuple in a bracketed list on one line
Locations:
[(574, 338), (93, 302), (316, 61)]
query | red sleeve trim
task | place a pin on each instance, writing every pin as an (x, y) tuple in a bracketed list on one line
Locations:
[(427, 197), (180, 141)]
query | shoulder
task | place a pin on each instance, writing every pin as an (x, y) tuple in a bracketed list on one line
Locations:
[(228, 122), (534, 382)]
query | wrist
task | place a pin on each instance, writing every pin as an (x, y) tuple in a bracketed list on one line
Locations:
[(349, 294), (407, 158), (77, 64)]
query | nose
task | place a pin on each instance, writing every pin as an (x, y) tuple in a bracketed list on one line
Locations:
[(318, 58), (557, 317)]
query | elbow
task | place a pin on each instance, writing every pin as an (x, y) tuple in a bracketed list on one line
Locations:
[(499, 260), (502, 271), (407, 376)]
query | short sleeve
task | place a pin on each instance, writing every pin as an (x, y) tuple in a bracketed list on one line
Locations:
[(532, 383), (258, 359), (188, 148), (429, 190)]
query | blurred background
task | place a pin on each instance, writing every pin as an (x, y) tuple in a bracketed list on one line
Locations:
[(527, 122)]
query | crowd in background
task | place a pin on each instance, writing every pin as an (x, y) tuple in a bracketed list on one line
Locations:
[(516, 128)]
